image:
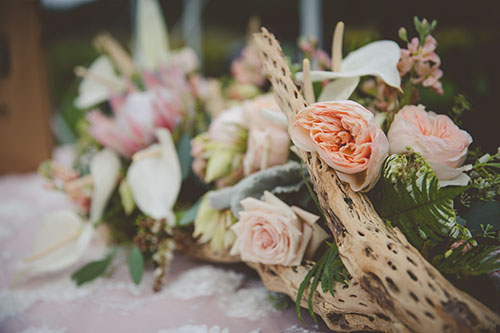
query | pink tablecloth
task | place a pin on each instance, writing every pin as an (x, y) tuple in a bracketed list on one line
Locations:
[(198, 297)]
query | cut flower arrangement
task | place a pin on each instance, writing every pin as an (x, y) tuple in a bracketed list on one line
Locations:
[(347, 194)]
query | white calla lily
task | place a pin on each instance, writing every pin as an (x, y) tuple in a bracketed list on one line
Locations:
[(99, 80), (155, 178), (152, 46), (60, 241), (105, 171), (377, 59)]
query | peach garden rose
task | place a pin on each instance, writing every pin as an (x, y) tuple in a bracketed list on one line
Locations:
[(273, 233), (443, 145), (346, 137)]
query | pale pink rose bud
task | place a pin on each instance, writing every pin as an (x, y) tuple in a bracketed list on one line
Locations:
[(443, 145), (346, 137)]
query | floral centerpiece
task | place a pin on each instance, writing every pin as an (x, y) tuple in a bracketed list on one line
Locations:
[(341, 194)]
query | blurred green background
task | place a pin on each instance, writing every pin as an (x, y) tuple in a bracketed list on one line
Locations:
[(468, 36)]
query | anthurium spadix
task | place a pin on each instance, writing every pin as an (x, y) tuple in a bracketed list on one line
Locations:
[(151, 39), (105, 171), (60, 241), (155, 178), (376, 59), (99, 80)]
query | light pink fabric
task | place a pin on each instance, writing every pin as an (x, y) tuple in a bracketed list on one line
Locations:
[(108, 305)]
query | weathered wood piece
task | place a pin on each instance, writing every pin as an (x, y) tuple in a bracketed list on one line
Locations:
[(394, 275)]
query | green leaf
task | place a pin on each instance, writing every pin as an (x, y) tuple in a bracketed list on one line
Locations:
[(189, 215), (184, 152), (328, 270), (409, 196), (136, 265), (92, 270)]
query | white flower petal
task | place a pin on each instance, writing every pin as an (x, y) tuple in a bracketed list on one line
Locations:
[(338, 90), (92, 91), (156, 181), (105, 171), (152, 48), (274, 117), (378, 58), (60, 241)]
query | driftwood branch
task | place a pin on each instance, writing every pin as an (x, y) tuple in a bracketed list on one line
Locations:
[(392, 273), (349, 310)]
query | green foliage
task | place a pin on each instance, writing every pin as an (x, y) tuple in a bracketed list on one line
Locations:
[(136, 265), (472, 258), (184, 152), (424, 28), (92, 270), (409, 197), (188, 216), (328, 270), (461, 106), (485, 180)]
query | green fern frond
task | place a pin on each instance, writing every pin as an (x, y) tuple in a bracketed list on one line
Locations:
[(409, 197), (328, 270), (472, 258)]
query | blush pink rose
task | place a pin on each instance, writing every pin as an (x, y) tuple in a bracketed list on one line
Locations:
[(266, 148), (268, 143), (273, 233), (346, 137), (443, 145)]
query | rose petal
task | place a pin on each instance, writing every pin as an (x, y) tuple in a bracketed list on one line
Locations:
[(319, 235), (105, 171)]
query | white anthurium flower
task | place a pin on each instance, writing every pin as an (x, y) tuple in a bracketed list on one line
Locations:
[(155, 178), (60, 241), (105, 171), (377, 59), (99, 80), (151, 45)]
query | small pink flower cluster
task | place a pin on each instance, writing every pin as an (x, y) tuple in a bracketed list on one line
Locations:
[(424, 61), (67, 180), (247, 68), (309, 46), (137, 114)]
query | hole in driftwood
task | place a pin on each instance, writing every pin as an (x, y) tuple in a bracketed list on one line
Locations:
[(411, 261), (431, 286), (363, 304), (361, 234), (353, 296), (429, 301), (428, 314), (411, 314), (412, 276), (415, 298), (392, 285)]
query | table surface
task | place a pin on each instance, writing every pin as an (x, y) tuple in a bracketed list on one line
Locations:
[(198, 297)]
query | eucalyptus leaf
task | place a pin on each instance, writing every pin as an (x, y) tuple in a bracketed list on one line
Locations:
[(136, 265), (91, 271), (284, 178), (184, 152)]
